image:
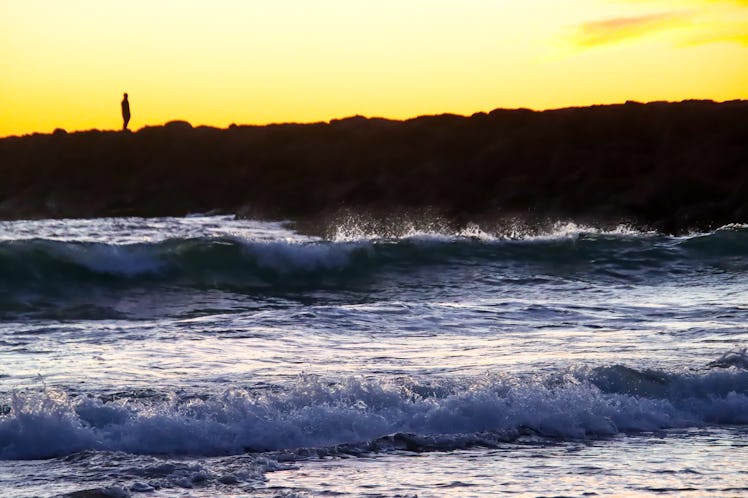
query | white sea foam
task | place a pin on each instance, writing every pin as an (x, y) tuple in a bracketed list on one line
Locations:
[(145, 230), (317, 414), (355, 229)]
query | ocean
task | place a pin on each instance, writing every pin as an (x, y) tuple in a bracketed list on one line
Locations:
[(209, 356)]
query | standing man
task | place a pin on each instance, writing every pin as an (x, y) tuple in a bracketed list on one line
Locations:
[(125, 112)]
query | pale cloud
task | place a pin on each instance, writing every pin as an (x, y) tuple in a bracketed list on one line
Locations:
[(743, 3), (706, 21), (615, 30), (729, 33), (720, 21)]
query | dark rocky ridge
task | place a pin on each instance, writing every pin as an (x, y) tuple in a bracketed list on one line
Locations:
[(669, 166)]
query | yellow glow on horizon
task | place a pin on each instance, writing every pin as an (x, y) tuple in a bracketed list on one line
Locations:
[(66, 63)]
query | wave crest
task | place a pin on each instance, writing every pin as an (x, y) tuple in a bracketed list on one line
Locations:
[(357, 414)]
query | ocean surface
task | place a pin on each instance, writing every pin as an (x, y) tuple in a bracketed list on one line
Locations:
[(211, 357)]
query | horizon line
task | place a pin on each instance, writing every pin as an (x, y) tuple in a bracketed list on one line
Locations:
[(60, 130)]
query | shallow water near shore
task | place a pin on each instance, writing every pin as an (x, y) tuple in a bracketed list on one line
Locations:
[(211, 356)]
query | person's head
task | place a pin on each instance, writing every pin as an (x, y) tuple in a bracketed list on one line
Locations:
[(125, 96)]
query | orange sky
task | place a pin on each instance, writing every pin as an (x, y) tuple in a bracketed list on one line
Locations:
[(66, 63)]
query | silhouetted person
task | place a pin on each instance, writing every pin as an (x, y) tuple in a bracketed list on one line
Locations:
[(125, 112)]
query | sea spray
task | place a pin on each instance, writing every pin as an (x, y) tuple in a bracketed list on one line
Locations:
[(312, 413)]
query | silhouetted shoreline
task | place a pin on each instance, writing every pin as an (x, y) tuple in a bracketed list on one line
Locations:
[(667, 166)]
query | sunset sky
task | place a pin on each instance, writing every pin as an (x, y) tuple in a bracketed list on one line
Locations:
[(66, 63)]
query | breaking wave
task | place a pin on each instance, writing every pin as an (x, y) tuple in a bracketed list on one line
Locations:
[(214, 261), (356, 415)]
